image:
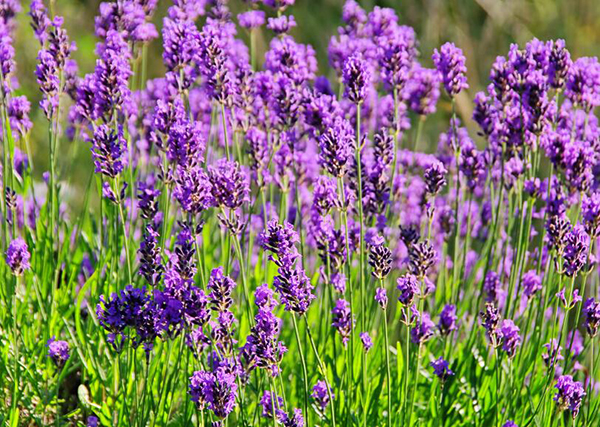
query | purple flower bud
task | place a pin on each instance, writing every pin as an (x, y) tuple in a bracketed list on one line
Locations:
[(217, 391), (553, 353), (282, 24), (108, 150), (17, 256), (230, 186), (441, 369), (576, 250), (450, 62), (423, 330), (409, 288), (337, 147), (366, 341), (251, 19), (58, 351), (422, 90), (531, 283), (381, 297), (509, 334), (448, 318), (320, 394), (569, 394), (435, 178), (342, 319), (267, 404), (356, 77), (591, 313), (583, 83)]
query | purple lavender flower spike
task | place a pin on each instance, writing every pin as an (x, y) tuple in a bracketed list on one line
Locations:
[(448, 319), (108, 150), (39, 20), (409, 288), (553, 353), (569, 394), (591, 313), (381, 297), (422, 90), (58, 351), (282, 24), (450, 63), (252, 19), (509, 335), (380, 259), (18, 114), (17, 256), (320, 395), (266, 403), (215, 390), (435, 177), (366, 340), (576, 250), (230, 187), (423, 330), (590, 211), (531, 283), (510, 424), (337, 147), (583, 83), (342, 319), (92, 421), (441, 369), (356, 77)]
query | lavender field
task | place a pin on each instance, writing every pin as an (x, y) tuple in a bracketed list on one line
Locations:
[(262, 238)]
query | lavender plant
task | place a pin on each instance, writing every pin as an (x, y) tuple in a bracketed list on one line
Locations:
[(262, 245)]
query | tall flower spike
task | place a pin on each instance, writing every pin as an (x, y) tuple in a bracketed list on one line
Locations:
[(108, 150), (337, 147), (356, 77), (450, 62), (342, 319), (17, 256)]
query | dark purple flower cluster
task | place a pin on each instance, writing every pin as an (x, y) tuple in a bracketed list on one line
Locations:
[(217, 391), (569, 394), (262, 348), (441, 369), (58, 351), (18, 256), (450, 62), (343, 320)]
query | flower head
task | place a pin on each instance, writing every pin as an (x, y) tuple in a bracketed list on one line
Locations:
[(17, 256), (450, 62), (342, 319), (356, 77), (320, 394), (441, 369), (58, 351), (366, 340), (569, 394)]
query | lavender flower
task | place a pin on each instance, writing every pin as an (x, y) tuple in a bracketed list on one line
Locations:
[(590, 211), (252, 19), (342, 319), (591, 313), (230, 186), (279, 238), (380, 259), (92, 421), (409, 288), (282, 24), (58, 351), (569, 394), (553, 353), (510, 424), (448, 318), (337, 147), (381, 297), (422, 90), (266, 403), (215, 390), (356, 78), (490, 319), (575, 255), (509, 335), (583, 83), (441, 369), (320, 394), (423, 330), (435, 177), (108, 150), (366, 341), (450, 63), (531, 283), (17, 256)]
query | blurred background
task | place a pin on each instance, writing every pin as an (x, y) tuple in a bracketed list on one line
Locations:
[(482, 28)]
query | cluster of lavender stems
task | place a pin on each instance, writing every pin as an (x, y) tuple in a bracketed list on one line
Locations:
[(380, 284)]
